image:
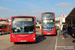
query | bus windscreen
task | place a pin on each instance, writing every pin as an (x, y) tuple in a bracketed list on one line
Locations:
[(48, 26), (23, 25), (48, 16), (48, 22)]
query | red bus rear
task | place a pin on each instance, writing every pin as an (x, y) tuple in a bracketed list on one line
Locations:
[(23, 29), (48, 23)]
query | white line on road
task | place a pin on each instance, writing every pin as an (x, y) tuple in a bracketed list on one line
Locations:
[(56, 43)]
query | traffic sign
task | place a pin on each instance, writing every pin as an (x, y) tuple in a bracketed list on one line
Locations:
[(63, 15)]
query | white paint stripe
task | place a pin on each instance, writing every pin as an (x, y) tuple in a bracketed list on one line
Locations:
[(13, 47), (56, 43)]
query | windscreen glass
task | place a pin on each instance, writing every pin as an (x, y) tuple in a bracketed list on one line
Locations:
[(48, 22), (48, 16), (48, 26), (23, 25)]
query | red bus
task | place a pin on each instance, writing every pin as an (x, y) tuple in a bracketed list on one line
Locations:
[(23, 29), (4, 26), (48, 23)]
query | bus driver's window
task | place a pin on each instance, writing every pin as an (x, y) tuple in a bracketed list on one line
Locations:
[(25, 28)]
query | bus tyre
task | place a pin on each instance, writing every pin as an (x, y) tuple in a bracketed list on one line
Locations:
[(15, 42), (56, 32), (43, 35), (1, 33), (6, 33)]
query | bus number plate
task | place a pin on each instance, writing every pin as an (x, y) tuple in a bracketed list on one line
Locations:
[(23, 41), (48, 33)]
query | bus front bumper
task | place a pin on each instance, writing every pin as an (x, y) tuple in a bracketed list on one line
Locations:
[(49, 33)]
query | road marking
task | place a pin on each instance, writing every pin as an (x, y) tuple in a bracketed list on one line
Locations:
[(12, 47), (56, 43)]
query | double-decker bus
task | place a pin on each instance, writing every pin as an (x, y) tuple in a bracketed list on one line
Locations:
[(4, 26), (23, 29), (48, 23)]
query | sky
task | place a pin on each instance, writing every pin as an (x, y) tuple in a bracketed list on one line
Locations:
[(10, 8)]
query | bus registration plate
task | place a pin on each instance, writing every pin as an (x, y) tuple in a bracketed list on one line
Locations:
[(48, 33), (23, 41)]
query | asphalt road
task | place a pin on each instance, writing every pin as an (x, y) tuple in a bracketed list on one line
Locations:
[(42, 43), (5, 42)]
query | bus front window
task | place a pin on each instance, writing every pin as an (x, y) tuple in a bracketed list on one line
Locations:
[(48, 26), (25, 26), (48, 22), (48, 16)]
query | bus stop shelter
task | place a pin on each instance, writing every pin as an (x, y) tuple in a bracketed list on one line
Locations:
[(70, 19)]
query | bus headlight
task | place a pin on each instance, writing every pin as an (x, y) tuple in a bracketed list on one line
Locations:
[(34, 38), (54, 31), (42, 32)]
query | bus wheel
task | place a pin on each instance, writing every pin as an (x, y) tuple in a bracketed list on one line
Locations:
[(15, 42), (5, 33), (43, 35), (1, 33), (56, 33)]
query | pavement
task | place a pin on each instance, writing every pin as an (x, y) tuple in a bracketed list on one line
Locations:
[(65, 44), (5, 41)]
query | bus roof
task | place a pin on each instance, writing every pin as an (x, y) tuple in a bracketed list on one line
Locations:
[(4, 20), (23, 16), (48, 12)]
